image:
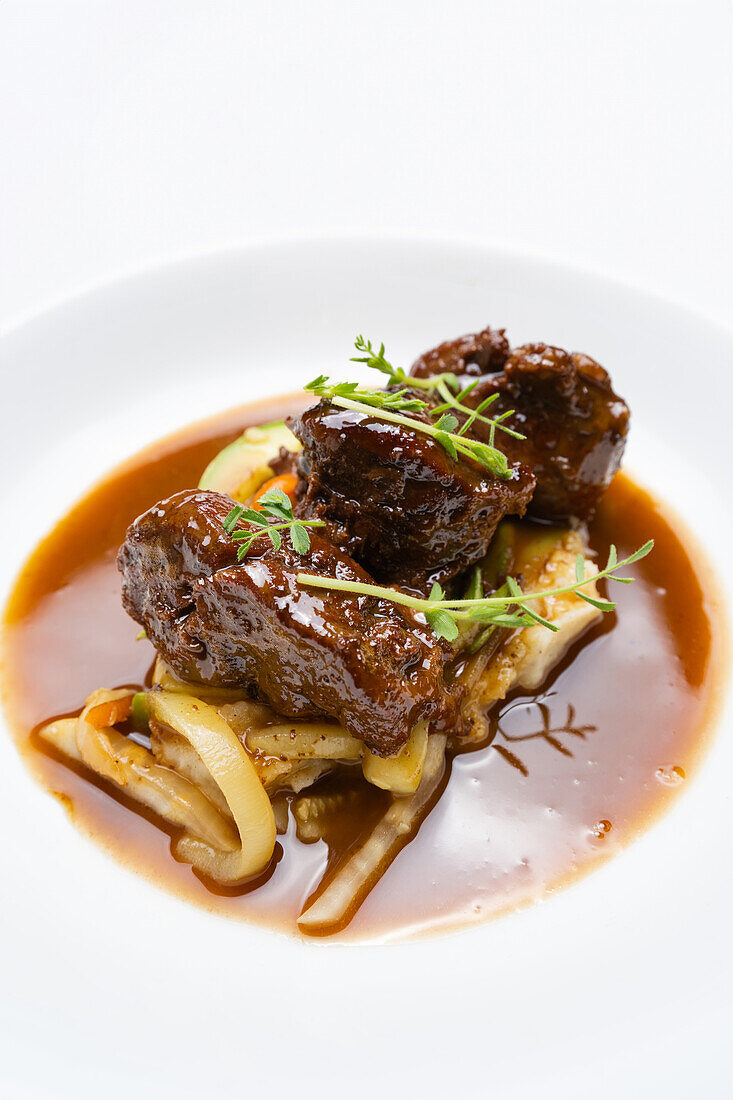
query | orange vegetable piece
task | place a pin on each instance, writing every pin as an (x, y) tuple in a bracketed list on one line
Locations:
[(109, 714), (286, 482)]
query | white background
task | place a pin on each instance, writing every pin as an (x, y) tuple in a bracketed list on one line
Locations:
[(133, 132), (595, 132)]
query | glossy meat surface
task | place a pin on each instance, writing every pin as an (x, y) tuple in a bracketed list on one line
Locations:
[(482, 353), (306, 652), (564, 403), (398, 502)]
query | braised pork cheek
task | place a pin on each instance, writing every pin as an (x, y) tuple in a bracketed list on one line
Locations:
[(564, 403), (305, 651), (399, 503)]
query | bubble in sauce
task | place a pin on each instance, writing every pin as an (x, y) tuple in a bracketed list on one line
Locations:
[(670, 776)]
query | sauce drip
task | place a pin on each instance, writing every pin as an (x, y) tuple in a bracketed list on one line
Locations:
[(571, 774)]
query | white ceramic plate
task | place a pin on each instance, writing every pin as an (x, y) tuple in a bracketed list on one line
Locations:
[(618, 986)]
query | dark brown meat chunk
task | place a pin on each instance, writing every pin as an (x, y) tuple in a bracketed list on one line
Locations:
[(399, 503), (285, 463), (575, 424), (305, 651), (483, 353)]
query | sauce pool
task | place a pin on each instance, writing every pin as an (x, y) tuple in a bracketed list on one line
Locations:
[(572, 773)]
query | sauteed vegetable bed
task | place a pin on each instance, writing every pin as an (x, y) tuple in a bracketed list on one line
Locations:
[(400, 656)]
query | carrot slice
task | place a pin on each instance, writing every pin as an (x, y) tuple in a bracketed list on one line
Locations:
[(286, 482), (110, 712)]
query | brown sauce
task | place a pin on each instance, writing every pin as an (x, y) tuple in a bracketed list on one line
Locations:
[(571, 775)]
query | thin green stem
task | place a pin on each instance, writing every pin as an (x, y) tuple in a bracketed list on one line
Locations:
[(498, 601), (302, 522), (378, 591), (439, 382), (455, 402), (461, 608), (480, 452), (450, 400), (384, 414)]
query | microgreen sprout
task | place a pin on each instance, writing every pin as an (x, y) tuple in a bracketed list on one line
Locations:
[(273, 505), (445, 384), (509, 607), (392, 406)]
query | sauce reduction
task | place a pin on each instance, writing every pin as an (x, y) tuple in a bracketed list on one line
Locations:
[(571, 774)]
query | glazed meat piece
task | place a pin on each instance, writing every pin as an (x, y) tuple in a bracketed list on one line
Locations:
[(397, 501), (305, 651), (575, 424), (482, 353)]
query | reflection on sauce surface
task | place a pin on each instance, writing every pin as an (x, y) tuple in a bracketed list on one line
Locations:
[(571, 774)]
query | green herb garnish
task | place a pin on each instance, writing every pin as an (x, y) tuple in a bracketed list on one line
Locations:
[(391, 407), (442, 622), (375, 399), (511, 608), (445, 384), (274, 504), (448, 430)]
